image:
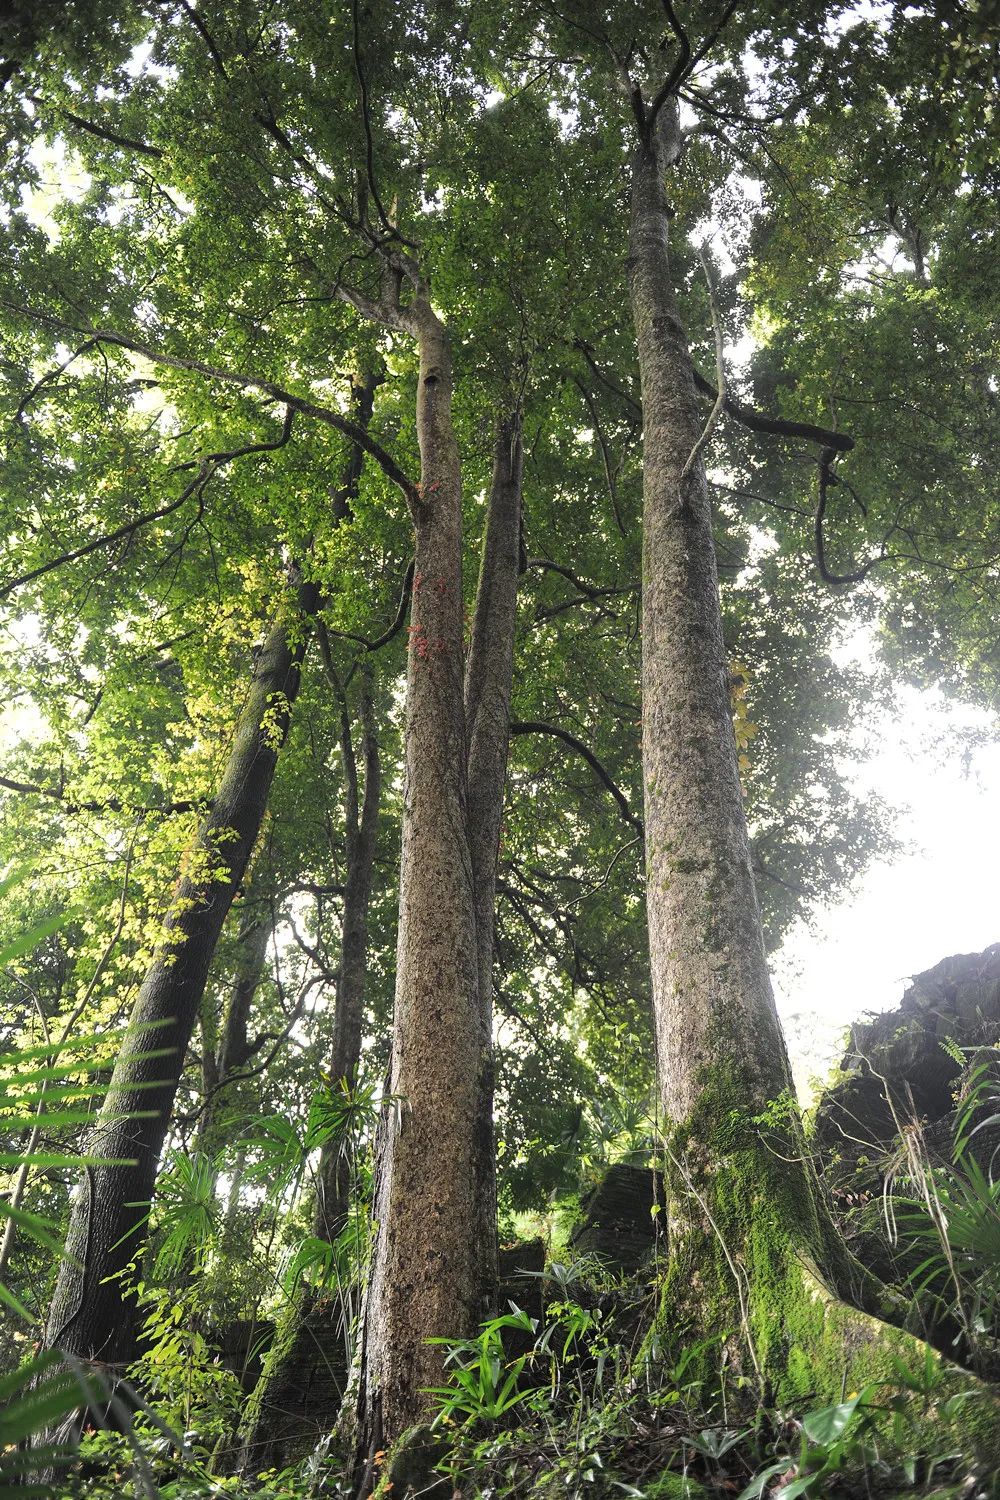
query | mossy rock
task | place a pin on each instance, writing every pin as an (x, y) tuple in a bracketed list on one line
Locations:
[(617, 1223)]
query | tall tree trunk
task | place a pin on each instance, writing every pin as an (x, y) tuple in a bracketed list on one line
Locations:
[(90, 1315), (333, 1187), (301, 1385), (434, 1263), (488, 680), (426, 1279), (232, 1049), (753, 1251)]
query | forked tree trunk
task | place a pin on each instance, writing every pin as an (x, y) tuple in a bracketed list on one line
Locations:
[(488, 679), (754, 1256), (426, 1279), (91, 1316)]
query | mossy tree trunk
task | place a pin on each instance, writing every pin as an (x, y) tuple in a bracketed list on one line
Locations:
[(754, 1258), (91, 1315)]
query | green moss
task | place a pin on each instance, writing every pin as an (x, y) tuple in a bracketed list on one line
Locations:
[(670, 1486), (753, 1257), (285, 1333), (410, 1467)]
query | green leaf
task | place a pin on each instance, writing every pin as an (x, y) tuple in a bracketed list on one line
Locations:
[(829, 1423)]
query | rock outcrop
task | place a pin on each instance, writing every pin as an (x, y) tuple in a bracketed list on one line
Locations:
[(906, 1065), (886, 1139)]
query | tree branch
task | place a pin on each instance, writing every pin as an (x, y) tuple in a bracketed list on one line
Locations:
[(208, 467), (112, 136), (756, 421), (720, 370), (111, 805), (603, 776), (397, 624), (826, 479), (243, 382)]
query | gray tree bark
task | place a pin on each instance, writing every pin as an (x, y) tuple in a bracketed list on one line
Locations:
[(709, 974), (433, 1264), (753, 1252), (426, 1278)]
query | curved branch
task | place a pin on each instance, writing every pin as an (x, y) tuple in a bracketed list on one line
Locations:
[(108, 538), (826, 479), (208, 467), (243, 382), (112, 804), (589, 589), (397, 624), (610, 473), (756, 421), (603, 776)]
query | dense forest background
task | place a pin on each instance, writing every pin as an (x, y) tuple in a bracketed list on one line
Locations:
[(445, 449)]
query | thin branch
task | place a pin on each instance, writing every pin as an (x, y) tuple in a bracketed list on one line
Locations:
[(826, 480), (602, 882), (610, 473), (603, 776), (590, 590), (397, 624), (112, 804), (197, 483), (112, 136), (605, 380), (243, 382), (207, 468), (366, 118), (677, 73), (713, 36), (50, 376)]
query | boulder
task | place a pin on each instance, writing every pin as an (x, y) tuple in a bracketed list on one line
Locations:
[(907, 1064), (618, 1224)]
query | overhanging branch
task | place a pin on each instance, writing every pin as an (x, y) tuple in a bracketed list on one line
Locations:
[(603, 776)]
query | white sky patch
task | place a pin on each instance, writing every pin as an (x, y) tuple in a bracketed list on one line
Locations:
[(936, 900), (63, 179)]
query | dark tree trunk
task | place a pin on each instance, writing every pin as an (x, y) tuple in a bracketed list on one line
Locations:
[(91, 1316), (298, 1395), (232, 1049), (333, 1187)]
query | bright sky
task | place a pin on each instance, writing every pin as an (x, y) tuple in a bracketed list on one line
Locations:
[(938, 899)]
